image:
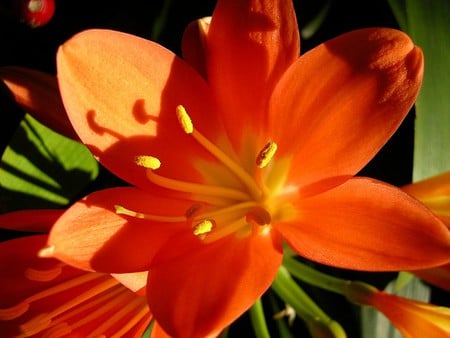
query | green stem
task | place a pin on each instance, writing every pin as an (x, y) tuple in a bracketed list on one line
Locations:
[(311, 276), (293, 294), (259, 320), (319, 324)]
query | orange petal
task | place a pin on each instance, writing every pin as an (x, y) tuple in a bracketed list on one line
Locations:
[(48, 298), (250, 44), (201, 293), (340, 102), (434, 192), (158, 331), (135, 281), (38, 220), (121, 92), (438, 185), (92, 236), (413, 318), (38, 94), (193, 44), (365, 224)]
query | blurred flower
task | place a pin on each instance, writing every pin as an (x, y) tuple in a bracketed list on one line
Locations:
[(434, 192), (412, 318), (35, 13), (46, 298), (38, 94), (256, 146)]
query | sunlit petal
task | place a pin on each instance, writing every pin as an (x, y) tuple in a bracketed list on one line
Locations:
[(367, 225), (193, 297), (250, 44), (340, 102), (121, 93)]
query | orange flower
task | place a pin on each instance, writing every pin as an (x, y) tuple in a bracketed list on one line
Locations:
[(45, 297), (413, 318), (434, 192), (256, 147)]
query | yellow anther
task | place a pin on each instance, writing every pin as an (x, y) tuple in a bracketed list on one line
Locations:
[(47, 251), (266, 154), (203, 227), (120, 210), (148, 162), (185, 120)]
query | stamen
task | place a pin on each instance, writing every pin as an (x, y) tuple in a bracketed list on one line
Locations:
[(56, 331), (98, 306), (196, 188), (92, 292), (14, 311), (137, 317), (36, 324), (229, 210), (184, 119), (120, 210), (110, 322), (43, 321), (62, 287), (203, 227), (42, 275), (148, 162), (266, 154), (46, 252), (225, 230), (235, 168)]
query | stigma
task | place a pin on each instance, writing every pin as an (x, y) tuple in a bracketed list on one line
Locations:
[(219, 207)]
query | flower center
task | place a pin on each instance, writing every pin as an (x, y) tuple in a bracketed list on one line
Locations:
[(221, 210)]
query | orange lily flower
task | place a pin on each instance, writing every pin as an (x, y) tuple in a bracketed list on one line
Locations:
[(412, 318), (434, 192), (256, 147), (42, 297)]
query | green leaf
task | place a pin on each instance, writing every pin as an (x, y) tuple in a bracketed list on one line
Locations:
[(399, 9), (42, 169), (427, 24), (316, 22)]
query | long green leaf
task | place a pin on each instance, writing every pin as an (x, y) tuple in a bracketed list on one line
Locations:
[(42, 169), (428, 25)]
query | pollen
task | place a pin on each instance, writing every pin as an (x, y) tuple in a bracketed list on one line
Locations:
[(47, 251), (203, 227), (185, 120), (149, 162), (266, 154)]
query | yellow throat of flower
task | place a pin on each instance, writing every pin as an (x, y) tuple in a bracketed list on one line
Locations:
[(248, 210)]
